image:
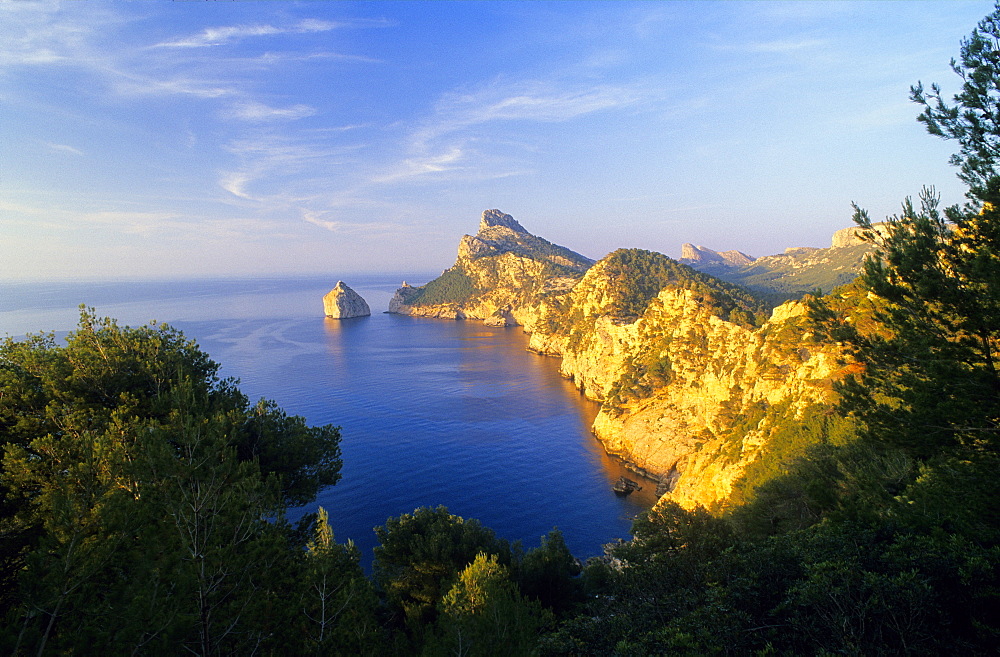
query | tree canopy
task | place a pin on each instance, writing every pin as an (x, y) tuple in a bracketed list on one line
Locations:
[(142, 495)]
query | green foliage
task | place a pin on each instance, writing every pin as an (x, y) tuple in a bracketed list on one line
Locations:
[(930, 378), (305, 459), (338, 603), (421, 553), (549, 573), (452, 286), (636, 276), (688, 585), (484, 614), (142, 496)]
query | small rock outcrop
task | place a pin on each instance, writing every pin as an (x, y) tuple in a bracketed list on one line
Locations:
[(343, 303), (404, 295), (624, 486), (493, 218)]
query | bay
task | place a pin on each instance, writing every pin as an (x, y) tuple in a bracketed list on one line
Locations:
[(432, 412)]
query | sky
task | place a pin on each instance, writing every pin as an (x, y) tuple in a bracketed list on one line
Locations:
[(160, 140)]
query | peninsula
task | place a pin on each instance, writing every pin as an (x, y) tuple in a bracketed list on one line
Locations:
[(699, 379)]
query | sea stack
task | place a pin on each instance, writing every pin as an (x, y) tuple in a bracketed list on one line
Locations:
[(343, 303)]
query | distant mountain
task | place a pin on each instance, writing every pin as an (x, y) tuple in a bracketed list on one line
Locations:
[(699, 254), (788, 275)]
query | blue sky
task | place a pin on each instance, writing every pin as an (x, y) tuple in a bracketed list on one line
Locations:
[(162, 140)]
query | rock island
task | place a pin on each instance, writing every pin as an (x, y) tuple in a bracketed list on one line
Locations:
[(343, 303)]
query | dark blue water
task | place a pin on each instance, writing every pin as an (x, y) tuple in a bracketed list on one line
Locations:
[(432, 411)]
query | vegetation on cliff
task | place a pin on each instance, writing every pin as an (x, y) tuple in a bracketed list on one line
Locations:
[(625, 282), (635, 280), (453, 286), (635, 277)]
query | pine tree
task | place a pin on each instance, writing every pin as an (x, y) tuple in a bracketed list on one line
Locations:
[(931, 383), (337, 602)]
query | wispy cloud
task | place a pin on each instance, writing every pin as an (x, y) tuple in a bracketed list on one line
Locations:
[(782, 45), (320, 218), (133, 84), (456, 139), (270, 58), (217, 36), (144, 223), (532, 101), (35, 34), (420, 166), (276, 162), (57, 218), (259, 112), (65, 148), (236, 183)]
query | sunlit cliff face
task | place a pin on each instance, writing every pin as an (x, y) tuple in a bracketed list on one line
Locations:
[(694, 379)]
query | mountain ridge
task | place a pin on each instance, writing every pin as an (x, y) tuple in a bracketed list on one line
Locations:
[(789, 275)]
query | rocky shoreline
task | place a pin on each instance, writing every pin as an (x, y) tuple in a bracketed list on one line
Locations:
[(686, 375)]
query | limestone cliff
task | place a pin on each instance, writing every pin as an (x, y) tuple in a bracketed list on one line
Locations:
[(698, 378), (501, 276), (686, 377), (709, 420), (847, 237), (343, 303)]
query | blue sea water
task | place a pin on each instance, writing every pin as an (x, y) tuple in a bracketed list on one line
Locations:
[(433, 412)]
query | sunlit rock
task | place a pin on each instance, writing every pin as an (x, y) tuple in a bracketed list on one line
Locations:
[(343, 303), (503, 276)]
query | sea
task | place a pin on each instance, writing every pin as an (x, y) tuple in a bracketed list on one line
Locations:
[(432, 412)]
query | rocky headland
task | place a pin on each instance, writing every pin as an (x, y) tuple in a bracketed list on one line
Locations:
[(500, 275), (344, 303), (701, 382)]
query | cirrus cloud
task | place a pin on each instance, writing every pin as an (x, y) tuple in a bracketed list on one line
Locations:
[(217, 36), (258, 112)]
